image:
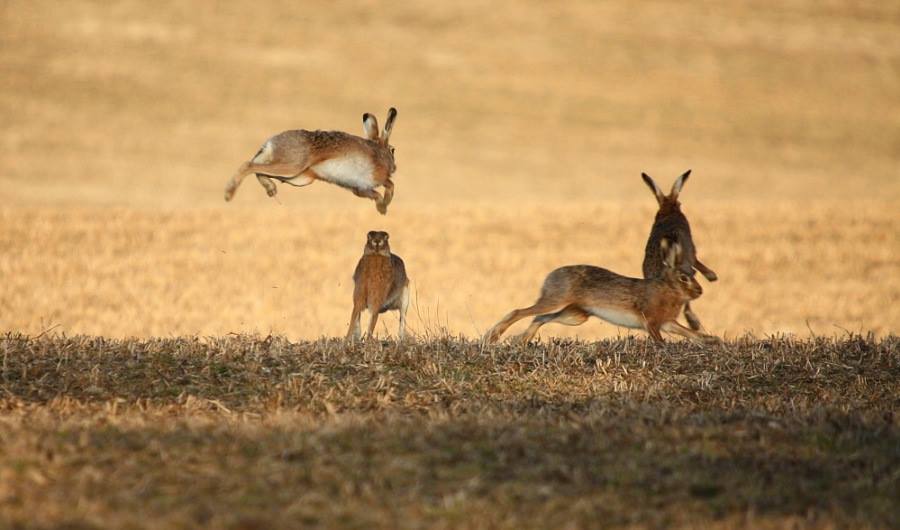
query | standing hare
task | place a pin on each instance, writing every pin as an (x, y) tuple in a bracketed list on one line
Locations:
[(300, 157), (671, 224), (381, 285), (573, 293)]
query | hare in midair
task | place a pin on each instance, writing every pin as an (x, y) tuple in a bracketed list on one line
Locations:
[(380, 284), (300, 157), (671, 224), (573, 293)]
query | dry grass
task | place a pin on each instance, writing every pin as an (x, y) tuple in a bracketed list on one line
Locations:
[(776, 433), (517, 153)]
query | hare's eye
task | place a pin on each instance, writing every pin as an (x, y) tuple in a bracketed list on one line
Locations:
[(684, 278), (392, 151)]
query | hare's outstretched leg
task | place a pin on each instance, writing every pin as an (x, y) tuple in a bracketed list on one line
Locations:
[(540, 307), (298, 181), (388, 197), (289, 170), (267, 183), (353, 332), (653, 328), (372, 322), (404, 306), (691, 317), (678, 329), (369, 194), (705, 271), (570, 316)]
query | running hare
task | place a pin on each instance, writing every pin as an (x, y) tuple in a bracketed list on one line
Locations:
[(671, 224), (571, 294), (300, 157), (381, 285)]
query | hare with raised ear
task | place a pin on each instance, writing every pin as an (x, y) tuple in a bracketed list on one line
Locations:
[(380, 284), (301, 157), (572, 294), (671, 224)]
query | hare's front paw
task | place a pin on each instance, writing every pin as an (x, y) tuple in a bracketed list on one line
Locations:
[(381, 207), (712, 340)]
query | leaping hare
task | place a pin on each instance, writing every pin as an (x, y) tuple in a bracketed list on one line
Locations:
[(380, 284), (671, 224), (301, 157), (572, 294)]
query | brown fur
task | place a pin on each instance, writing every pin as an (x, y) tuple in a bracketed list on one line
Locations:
[(292, 155), (671, 224), (573, 293), (380, 284)]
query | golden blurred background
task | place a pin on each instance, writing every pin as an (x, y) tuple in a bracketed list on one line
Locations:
[(523, 129)]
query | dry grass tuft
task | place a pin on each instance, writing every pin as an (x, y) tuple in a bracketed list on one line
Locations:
[(248, 431)]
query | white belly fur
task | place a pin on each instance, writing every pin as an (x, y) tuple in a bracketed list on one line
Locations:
[(626, 319), (354, 171)]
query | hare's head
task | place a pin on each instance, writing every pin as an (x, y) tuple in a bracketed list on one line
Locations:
[(370, 126), (667, 203), (377, 242), (673, 273)]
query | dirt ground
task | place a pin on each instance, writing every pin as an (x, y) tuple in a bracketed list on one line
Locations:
[(522, 132)]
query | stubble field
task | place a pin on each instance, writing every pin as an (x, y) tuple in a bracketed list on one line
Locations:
[(182, 340)]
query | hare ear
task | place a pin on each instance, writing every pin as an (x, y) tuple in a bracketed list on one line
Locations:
[(389, 124), (672, 253), (679, 182), (370, 126), (653, 187)]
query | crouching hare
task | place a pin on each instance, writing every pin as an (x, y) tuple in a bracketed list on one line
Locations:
[(301, 157), (380, 284), (671, 224), (572, 294)]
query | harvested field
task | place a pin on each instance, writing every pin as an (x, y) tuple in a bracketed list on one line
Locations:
[(247, 432), (825, 269)]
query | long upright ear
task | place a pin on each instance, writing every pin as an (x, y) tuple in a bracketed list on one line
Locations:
[(370, 126), (679, 182), (672, 252), (389, 125), (653, 187)]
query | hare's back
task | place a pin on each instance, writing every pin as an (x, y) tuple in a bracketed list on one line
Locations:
[(579, 278), (399, 270), (676, 230), (302, 145)]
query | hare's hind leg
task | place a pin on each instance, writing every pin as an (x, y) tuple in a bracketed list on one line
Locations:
[(570, 316), (298, 181), (372, 322), (353, 332), (236, 179), (404, 306), (268, 171), (541, 307), (691, 317), (707, 273), (267, 183)]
